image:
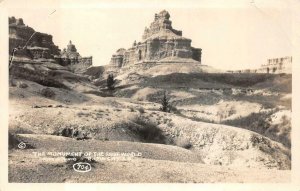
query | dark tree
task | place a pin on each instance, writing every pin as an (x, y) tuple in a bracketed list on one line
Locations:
[(165, 103), (110, 82)]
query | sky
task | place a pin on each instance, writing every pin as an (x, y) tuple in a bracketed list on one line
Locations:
[(233, 34)]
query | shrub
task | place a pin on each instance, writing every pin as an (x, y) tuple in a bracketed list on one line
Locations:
[(148, 131), (23, 85), (110, 82), (47, 92), (165, 103), (141, 110), (72, 133)]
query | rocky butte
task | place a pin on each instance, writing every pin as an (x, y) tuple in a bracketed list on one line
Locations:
[(31, 45), (40, 45), (70, 56), (159, 42), (273, 66)]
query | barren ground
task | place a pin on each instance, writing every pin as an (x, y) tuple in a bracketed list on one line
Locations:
[(208, 138)]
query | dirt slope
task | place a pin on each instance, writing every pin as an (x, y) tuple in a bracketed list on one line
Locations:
[(26, 167), (56, 110), (116, 119)]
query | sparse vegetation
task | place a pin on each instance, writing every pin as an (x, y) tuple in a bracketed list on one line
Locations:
[(47, 92), (72, 132), (165, 103), (110, 82), (148, 131), (257, 122), (22, 85), (261, 123), (141, 110), (38, 76)]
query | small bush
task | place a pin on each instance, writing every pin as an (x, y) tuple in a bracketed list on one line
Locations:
[(165, 103), (22, 85), (141, 110), (48, 93), (72, 133), (148, 131), (110, 82)]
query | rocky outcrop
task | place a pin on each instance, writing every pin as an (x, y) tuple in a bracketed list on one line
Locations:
[(25, 42), (31, 44), (159, 41), (70, 56)]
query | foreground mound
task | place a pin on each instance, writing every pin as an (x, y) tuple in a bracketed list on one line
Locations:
[(27, 167)]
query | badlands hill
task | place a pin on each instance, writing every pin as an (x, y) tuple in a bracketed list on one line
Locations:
[(53, 109)]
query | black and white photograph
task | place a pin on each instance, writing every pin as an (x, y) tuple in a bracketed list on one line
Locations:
[(149, 91)]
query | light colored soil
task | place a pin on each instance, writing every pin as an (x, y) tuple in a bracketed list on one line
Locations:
[(216, 152), (24, 166), (232, 146)]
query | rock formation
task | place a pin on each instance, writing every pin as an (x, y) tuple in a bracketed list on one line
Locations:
[(70, 56), (277, 65), (33, 44), (159, 41), (273, 66)]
